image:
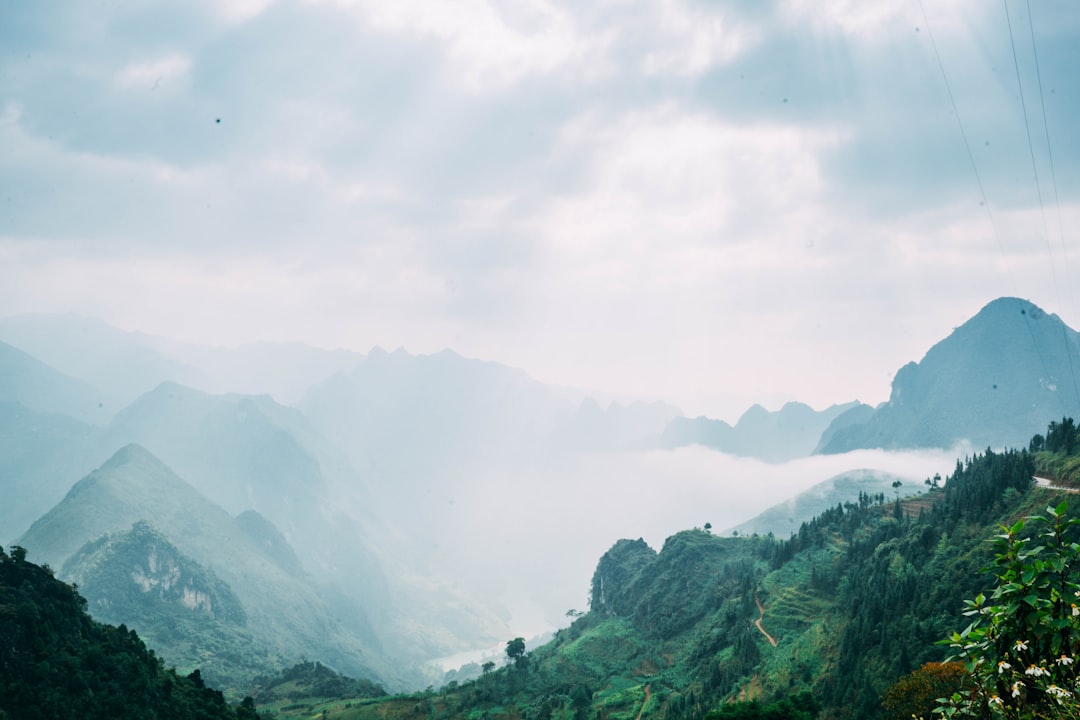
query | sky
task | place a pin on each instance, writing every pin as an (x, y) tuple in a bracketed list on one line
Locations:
[(710, 203)]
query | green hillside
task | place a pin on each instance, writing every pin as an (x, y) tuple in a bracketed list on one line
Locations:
[(821, 624), (183, 609), (57, 663), (286, 611)]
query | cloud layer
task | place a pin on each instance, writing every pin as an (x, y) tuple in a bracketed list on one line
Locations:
[(716, 204)]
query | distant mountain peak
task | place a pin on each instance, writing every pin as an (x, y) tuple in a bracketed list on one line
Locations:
[(993, 381), (133, 453)]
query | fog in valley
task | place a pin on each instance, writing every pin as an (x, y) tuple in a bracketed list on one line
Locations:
[(390, 318), (530, 538)]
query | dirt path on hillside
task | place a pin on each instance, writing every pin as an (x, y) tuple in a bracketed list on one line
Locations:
[(757, 623), (648, 694)]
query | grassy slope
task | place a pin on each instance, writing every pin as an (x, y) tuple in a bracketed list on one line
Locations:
[(1065, 469)]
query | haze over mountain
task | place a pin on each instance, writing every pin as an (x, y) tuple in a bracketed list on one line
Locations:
[(125, 365), (994, 381), (140, 579), (121, 365), (41, 455), (247, 453), (785, 518), (389, 479), (791, 432), (394, 476), (285, 610), (26, 380)]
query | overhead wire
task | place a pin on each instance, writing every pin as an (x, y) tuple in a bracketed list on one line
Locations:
[(1031, 151), (1057, 203), (1038, 184), (978, 180)]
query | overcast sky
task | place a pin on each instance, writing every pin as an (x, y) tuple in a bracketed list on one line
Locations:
[(713, 203)]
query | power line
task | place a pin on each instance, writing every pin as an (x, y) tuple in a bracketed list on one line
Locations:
[(1031, 152), (978, 179), (1050, 155), (1035, 172), (963, 135)]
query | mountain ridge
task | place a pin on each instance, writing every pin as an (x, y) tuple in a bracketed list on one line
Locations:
[(966, 388), (287, 614)]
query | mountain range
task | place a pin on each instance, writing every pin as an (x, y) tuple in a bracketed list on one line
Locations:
[(336, 522), (793, 431)]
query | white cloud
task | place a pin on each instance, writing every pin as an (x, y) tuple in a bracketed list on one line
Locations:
[(160, 74), (335, 188), (240, 11), (490, 46), (867, 21), (695, 38), (674, 196)]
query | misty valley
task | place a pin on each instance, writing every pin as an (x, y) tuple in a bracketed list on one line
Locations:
[(280, 531)]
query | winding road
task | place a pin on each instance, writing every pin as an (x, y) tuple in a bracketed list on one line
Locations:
[(761, 616), (1049, 485)]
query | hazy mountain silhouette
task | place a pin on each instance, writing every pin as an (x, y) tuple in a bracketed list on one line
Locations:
[(122, 364), (246, 452), (995, 381), (856, 415), (413, 414), (125, 365), (593, 427), (284, 370), (26, 380), (41, 455), (285, 609), (791, 432)]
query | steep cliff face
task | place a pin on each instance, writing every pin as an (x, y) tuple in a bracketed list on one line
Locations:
[(190, 616), (133, 573)]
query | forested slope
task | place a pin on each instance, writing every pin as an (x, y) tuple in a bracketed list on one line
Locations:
[(860, 596), (57, 663)]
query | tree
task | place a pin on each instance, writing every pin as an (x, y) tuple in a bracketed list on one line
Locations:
[(515, 650), (916, 694), (246, 710), (487, 667), (1061, 437), (1023, 644)]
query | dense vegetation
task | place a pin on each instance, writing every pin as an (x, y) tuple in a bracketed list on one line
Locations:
[(193, 618), (843, 620), (1057, 456), (307, 684), (55, 662), (856, 603)]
